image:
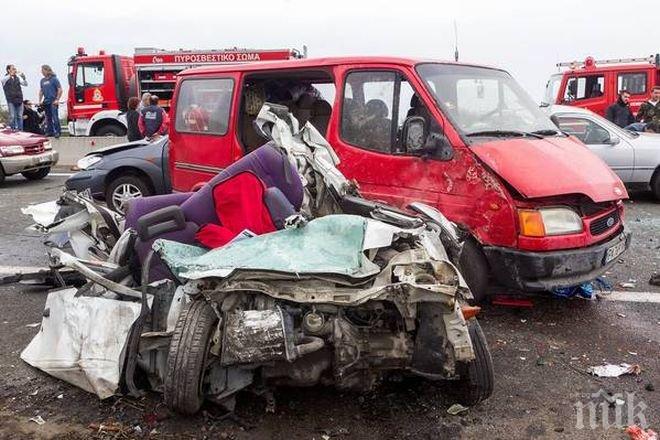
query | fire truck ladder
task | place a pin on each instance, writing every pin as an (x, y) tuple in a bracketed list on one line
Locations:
[(651, 59)]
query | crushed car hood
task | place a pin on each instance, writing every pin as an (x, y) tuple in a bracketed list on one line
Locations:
[(8, 137), (550, 167)]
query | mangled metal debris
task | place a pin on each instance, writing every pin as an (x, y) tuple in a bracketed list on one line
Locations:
[(346, 292)]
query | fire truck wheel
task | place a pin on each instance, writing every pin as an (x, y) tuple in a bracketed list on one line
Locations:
[(187, 357), (36, 174), (124, 188), (474, 268), (476, 377), (111, 130)]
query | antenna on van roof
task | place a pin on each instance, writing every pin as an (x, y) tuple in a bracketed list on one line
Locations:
[(455, 42)]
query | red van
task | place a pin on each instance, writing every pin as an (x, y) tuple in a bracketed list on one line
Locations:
[(542, 211)]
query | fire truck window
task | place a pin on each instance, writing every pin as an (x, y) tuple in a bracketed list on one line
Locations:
[(584, 87), (203, 106), (89, 75), (635, 83), (367, 110)]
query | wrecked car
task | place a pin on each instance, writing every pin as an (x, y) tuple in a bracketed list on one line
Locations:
[(301, 281)]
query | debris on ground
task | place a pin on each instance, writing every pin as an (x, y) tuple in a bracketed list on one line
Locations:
[(456, 409), (38, 420), (637, 433), (33, 325), (511, 301), (611, 370), (627, 285), (655, 279)]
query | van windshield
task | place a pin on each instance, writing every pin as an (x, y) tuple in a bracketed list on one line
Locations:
[(484, 102)]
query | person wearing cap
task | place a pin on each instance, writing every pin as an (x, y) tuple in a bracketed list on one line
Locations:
[(11, 84)]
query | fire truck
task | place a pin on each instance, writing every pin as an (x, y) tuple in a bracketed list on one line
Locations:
[(595, 84), (100, 85)]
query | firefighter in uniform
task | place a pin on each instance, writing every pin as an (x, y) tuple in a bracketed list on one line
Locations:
[(153, 120)]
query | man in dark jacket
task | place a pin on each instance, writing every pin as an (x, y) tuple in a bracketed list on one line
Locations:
[(11, 85), (153, 120), (619, 112), (132, 118)]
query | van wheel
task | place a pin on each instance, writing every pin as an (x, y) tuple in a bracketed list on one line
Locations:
[(655, 184), (36, 174), (474, 267), (110, 130), (124, 188), (476, 377), (187, 357)]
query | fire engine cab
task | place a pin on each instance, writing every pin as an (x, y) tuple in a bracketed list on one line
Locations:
[(595, 84), (100, 85)]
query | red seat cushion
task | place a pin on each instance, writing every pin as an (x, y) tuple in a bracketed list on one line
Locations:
[(239, 204)]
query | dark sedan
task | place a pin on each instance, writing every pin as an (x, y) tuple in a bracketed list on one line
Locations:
[(121, 172)]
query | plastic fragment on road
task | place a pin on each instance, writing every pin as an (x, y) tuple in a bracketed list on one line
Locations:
[(637, 433), (456, 409), (511, 301), (38, 420), (611, 370), (81, 341), (584, 290)]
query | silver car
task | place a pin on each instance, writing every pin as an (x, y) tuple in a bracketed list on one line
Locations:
[(634, 157)]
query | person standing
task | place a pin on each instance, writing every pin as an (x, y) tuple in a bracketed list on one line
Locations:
[(620, 112), (132, 118), (49, 95), (31, 119), (144, 101), (11, 84), (153, 120), (649, 111)]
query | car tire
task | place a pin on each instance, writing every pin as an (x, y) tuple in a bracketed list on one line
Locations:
[(125, 187), (655, 184), (476, 378), (475, 270), (186, 361), (110, 130), (36, 174), (2, 175)]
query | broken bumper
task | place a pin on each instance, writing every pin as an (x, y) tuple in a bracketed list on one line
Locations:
[(93, 179), (542, 271), (19, 164)]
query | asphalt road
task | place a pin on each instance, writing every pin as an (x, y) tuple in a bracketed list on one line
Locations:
[(540, 355)]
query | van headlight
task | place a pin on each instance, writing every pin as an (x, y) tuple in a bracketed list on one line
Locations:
[(549, 221), (88, 162)]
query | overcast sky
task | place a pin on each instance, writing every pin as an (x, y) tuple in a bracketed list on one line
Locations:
[(527, 38)]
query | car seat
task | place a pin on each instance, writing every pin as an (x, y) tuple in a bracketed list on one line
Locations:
[(180, 216)]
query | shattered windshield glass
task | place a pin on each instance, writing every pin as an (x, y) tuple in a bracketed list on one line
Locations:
[(484, 102)]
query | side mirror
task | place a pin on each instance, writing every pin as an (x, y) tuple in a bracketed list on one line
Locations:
[(414, 135), (614, 140)]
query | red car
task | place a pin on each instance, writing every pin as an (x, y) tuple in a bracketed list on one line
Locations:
[(28, 154), (541, 210)]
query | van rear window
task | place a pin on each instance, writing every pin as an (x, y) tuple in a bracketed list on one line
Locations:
[(203, 106)]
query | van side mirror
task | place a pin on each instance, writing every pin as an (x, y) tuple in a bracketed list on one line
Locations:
[(414, 134)]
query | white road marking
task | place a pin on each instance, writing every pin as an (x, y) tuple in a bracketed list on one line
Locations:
[(626, 296)]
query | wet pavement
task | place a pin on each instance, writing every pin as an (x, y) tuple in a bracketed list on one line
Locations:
[(540, 355)]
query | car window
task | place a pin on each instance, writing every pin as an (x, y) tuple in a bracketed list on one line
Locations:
[(634, 83), (584, 87), (584, 129), (203, 106)]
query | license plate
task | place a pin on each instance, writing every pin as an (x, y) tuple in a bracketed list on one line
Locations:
[(44, 159), (615, 251)]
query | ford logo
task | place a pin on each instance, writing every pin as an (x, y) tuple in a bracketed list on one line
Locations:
[(610, 222)]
